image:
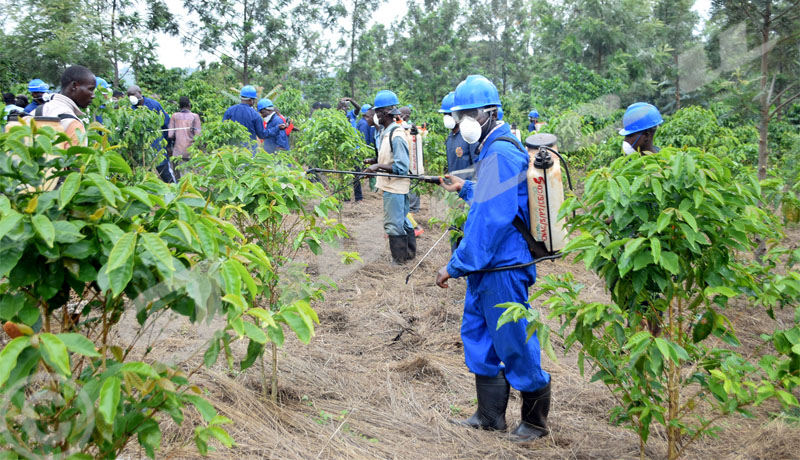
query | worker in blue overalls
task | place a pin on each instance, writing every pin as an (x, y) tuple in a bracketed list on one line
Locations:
[(274, 126), (533, 118), (497, 357), (244, 114)]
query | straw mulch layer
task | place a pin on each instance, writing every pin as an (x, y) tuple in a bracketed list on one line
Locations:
[(385, 372)]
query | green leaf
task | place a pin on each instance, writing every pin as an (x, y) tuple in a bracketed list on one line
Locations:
[(55, 353), (669, 261), (663, 220), (221, 435), (140, 368), (67, 232), (203, 407), (9, 222), (655, 249), (254, 332), (121, 252), (664, 348), (232, 278), (657, 190), (106, 188), (210, 356), (78, 343), (68, 189), (298, 325), (9, 355), (44, 228), (689, 219), (156, 246), (722, 290), (109, 399)]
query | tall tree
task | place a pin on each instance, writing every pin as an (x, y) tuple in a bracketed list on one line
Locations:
[(679, 22), (359, 15), (774, 26)]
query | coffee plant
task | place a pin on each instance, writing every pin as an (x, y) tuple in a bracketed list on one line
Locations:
[(73, 262), (280, 211), (668, 234)]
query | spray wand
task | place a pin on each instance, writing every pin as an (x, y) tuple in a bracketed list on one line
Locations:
[(428, 179), (429, 251)]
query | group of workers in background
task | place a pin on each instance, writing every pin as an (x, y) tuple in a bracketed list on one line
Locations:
[(493, 254)]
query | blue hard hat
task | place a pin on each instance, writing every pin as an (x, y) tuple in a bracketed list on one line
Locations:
[(100, 82), (533, 114), (447, 102), (248, 92), (38, 86), (476, 91), (499, 113), (639, 117), (265, 104), (365, 108), (385, 98)]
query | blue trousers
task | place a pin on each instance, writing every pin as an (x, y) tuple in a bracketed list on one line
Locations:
[(395, 208), (487, 350)]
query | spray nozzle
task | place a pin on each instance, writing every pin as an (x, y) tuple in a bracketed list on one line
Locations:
[(543, 159)]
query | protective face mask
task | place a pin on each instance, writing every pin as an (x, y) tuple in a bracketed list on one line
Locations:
[(449, 122), (134, 100), (628, 149), (375, 119), (470, 129)]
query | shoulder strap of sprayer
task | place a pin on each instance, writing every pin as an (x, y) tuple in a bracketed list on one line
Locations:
[(391, 133)]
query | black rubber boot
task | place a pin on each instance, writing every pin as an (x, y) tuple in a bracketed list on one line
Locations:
[(535, 407), (398, 245), (412, 244), (492, 403)]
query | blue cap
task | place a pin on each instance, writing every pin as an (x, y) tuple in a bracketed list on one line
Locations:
[(385, 98), (533, 114), (38, 86), (265, 104), (639, 117), (447, 102), (100, 82), (474, 92), (365, 108), (248, 92)]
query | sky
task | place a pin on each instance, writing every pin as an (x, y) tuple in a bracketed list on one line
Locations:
[(172, 53)]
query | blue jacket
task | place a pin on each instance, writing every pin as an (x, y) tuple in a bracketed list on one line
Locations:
[(460, 155), (351, 117), (273, 139), (365, 130), (155, 106), (499, 195), (31, 107), (532, 127), (247, 117)]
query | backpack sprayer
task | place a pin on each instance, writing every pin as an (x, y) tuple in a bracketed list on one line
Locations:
[(546, 236)]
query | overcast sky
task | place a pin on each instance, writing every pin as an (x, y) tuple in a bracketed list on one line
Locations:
[(172, 53)]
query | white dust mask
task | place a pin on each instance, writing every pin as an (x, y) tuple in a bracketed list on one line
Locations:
[(449, 122), (376, 120), (134, 100), (627, 148), (470, 130)]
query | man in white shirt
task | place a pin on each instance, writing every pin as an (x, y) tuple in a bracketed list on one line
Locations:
[(77, 92)]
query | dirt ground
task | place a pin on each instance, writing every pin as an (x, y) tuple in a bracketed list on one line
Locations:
[(385, 371)]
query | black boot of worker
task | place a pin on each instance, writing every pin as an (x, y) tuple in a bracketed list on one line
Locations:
[(492, 403), (535, 407), (398, 245), (412, 244)]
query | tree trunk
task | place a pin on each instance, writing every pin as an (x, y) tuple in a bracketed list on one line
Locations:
[(763, 125), (351, 74), (246, 45), (115, 57), (677, 85)]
